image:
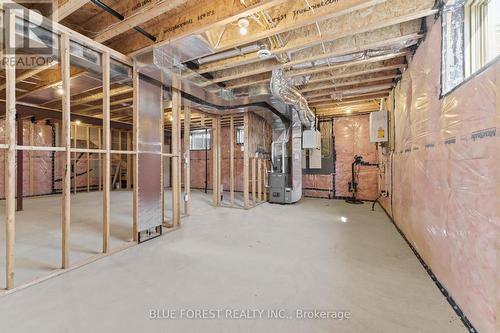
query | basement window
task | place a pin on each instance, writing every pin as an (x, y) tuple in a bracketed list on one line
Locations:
[(240, 135), (199, 140), (482, 33), (471, 39)]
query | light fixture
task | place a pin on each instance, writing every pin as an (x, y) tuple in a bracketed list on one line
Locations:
[(337, 95), (78, 122), (59, 90), (243, 23), (263, 54), (348, 110), (343, 219), (170, 118)]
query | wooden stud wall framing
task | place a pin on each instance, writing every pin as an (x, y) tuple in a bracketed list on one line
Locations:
[(265, 180), (176, 142), (215, 180), (87, 135), (246, 162), (63, 145), (219, 162), (129, 161), (216, 160), (164, 221), (75, 133), (66, 138), (30, 158), (254, 180), (10, 139), (259, 179), (187, 159), (231, 159), (135, 133), (107, 146), (99, 140)]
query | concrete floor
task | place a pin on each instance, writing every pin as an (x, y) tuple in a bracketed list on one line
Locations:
[(318, 254), (38, 231)]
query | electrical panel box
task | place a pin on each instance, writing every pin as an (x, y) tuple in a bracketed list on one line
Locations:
[(311, 139), (379, 126)]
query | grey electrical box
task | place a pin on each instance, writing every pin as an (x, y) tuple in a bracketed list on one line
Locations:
[(279, 192)]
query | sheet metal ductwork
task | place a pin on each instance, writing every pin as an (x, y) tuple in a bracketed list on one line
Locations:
[(289, 114), (302, 116), (282, 88)]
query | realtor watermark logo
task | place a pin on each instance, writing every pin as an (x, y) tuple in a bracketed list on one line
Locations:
[(245, 314), (33, 43)]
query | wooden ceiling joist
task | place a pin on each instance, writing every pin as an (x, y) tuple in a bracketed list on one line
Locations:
[(249, 70), (146, 14), (328, 75), (350, 83), (394, 37), (289, 16), (322, 69), (28, 74), (336, 29), (327, 101), (353, 71), (198, 18), (68, 8), (347, 92), (98, 96)]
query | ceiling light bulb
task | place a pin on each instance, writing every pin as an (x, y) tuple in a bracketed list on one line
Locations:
[(348, 110), (60, 91), (78, 122), (243, 23)]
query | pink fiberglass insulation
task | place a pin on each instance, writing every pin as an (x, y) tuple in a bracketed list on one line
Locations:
[(41, 162), (352, 137), (37, 165), (318, 186), (445, 179)]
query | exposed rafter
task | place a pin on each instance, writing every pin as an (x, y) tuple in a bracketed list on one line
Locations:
[(334, 30), (146, 14), (68, 8)]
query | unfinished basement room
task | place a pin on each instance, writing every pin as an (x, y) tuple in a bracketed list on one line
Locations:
[(284, 166)]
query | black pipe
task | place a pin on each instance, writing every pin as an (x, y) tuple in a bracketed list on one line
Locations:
[(265, 105), (119, 16)]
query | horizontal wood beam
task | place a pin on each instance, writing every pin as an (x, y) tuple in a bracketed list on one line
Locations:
[(98, 96), (196, 19), (119, 102), (329, 75), (341, 51), (328, 101), (75, 36), (68, 8), (24, 109), (334, 30), (139, 17), (50, 84), (355, 101), (347, 92), (289, 16), (356, 71), (321, 69), (349, 83), (28, 74)]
